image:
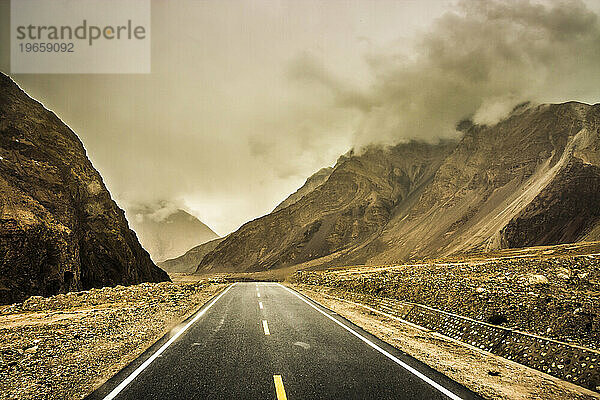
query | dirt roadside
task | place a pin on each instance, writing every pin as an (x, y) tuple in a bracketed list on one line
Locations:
[(553, 297), (65, 346), (491, 376)]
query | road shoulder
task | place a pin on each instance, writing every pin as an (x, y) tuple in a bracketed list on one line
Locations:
[(489, 375), (65, 346)]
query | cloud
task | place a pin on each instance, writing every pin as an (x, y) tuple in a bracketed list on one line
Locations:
[(157, 211), (477, 61), (307, 68), (248, 99)]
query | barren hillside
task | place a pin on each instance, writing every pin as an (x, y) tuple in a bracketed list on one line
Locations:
[(348, 210), (531, 179)]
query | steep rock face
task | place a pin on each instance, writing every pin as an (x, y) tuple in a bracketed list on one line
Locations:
[(168, 236), (499, 175), (531, 179), (566, 211), (59, 228), (188, 262), (343, 213), (314, 181)]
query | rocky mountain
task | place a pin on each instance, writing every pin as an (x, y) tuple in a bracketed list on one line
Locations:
[(346, 212), (188, 262), (513, 184), (314, 181), (59, 228), (167, 233), (531, 179)]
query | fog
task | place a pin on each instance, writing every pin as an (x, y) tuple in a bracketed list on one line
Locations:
[(476, 61), (247, 99)]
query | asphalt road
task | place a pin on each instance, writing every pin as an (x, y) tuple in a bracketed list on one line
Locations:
[(265, 341)]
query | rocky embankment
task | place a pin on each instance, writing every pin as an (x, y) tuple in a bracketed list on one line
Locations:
[(60, 230), (64, 346), (558, 298)]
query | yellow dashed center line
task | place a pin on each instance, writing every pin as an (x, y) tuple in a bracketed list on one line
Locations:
[(266, 327), (279, 389)]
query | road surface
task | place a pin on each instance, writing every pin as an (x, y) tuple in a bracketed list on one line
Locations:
[(265, 341)]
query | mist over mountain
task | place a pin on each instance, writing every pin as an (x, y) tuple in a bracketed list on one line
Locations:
[(228, 143), (60, 230), (476, 61), (531, 179), (166, 231)]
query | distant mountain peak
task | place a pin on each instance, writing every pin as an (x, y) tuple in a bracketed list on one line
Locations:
[(166, 231)]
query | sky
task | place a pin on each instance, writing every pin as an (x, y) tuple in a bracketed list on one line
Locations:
[(246, 99)]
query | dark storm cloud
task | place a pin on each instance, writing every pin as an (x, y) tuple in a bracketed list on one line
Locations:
[(479, 61)]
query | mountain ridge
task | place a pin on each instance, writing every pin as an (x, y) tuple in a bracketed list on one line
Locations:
[(314, 181), (188, 262), (481, 194), (353, 204)]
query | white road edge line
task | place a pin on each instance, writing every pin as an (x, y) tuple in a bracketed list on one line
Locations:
[(379, 349), (153, 357)]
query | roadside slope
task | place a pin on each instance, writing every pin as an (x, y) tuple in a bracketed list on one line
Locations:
[(60, 230)]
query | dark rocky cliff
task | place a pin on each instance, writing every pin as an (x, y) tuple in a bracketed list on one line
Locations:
[(59, 228), (564, 212)]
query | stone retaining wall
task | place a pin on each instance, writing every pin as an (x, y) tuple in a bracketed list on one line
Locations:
[(571, 363)]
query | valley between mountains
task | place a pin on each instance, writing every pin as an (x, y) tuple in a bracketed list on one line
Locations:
[(532, 179), (501, 226)]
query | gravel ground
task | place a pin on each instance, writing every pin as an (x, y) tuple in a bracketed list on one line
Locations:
[(491, 376), (556, 297), (65, 346)]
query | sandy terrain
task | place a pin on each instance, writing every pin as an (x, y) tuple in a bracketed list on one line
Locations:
[(65, 346)]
